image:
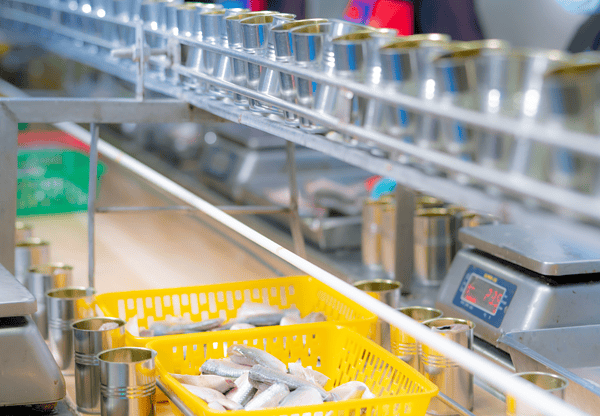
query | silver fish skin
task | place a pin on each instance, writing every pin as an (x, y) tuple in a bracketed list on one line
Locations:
[(266, 375), (242, 354), (268, 398), (314, 317), (347, 391), (302, 397), (221, 384), (206, 394), (308, 374), (243, 392), (162, 328), (290, 320), (235, 327), (223, 368)]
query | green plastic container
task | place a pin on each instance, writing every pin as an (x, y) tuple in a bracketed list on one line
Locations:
[(52, 181)]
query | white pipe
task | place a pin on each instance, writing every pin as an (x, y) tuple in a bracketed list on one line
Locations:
[(484, 369)]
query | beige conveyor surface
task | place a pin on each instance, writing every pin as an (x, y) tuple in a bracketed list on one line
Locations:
[(136, 251)]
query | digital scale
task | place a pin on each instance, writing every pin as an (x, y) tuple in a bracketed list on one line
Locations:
[(511, 278)]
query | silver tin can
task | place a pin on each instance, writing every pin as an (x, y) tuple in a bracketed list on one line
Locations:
[(127, 382), (433, 244), (89, 339), (388, 292), (65, 306), (28, 253), (452, 380), (405, 346), (552, 383)]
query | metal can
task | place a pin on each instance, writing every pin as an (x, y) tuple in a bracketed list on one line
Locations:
[(371, 233), (30, 252), (127, 382), (403, 345), (22, 231), (90, 337), (388, 239), (388, 292), (452, 380), (65, 306), (433, 245), (552, 383)]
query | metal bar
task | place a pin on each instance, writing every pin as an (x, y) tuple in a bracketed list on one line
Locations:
[(453, 404), (173, 398), (106, 110), (230, 209), (141, 64), (405, 213), (295, 225), (8, 187), (485, 370), (94, 131)]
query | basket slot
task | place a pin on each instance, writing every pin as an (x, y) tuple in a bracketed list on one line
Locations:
[(176, 306), (140, 308), (229, 297), (185, 300), (194, 303)]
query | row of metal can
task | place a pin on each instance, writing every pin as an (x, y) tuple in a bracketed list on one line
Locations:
[(435, 226)]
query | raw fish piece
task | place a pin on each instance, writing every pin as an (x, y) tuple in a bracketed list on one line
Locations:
[(146, 333), (242, 354), (165, 328), (268, 398), (243, 391), (241, 326), (347, 391), (223, 368), (216, 406), (254, 308), (266, 375), (108, 326), (302, 397), (308, 374), (221, 384), (206, 394), (132, 326), (290, 320), (314, 317)]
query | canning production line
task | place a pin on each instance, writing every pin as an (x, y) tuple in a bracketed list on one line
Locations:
[(528, 281)]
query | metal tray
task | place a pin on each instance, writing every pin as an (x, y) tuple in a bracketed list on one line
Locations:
[(572, 352)]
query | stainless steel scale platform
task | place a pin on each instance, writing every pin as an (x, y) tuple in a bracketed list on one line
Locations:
[(534, 294), (29, 374), (250, 167)]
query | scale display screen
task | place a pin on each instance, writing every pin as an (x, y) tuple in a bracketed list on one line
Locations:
[(484, 295)]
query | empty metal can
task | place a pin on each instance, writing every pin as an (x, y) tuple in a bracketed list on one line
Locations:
[(403, 345), (30, 252), (552, 383), (41, 279), (451, 379), (388, 292), (91, 336), (433, 245), (127, 382), (65, 306), (371, 233)]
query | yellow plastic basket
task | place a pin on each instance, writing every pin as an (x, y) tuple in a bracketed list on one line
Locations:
[(223, 300), (336, 351)]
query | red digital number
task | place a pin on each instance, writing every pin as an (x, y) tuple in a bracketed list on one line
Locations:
[(468, 297), (495, 301), (488, 294)]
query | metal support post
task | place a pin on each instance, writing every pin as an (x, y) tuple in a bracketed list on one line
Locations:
[(94, 129), (139, 44), (8, 187), (295, 225), (405, 212)]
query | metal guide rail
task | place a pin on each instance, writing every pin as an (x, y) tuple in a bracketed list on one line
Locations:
[(112, 38)]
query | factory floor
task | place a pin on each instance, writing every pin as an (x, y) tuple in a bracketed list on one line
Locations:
[(153, 250)]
